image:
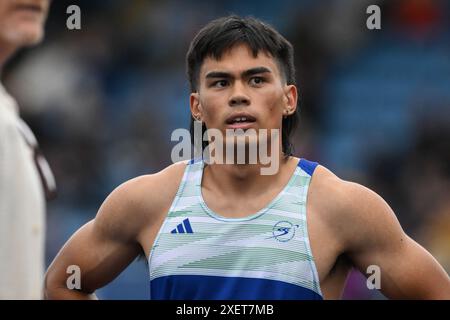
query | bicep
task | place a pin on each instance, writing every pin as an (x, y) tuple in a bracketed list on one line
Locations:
[(414, 273), (107, 245), (98, 258), (100, 249), (407, 270)]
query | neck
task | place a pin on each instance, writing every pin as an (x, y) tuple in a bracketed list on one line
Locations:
[(6, 51), (244, 179)]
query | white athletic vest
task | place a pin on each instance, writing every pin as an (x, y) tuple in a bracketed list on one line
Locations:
[(198, 254)]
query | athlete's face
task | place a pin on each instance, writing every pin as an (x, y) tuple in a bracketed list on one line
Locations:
[(241, 85), (22, 22)]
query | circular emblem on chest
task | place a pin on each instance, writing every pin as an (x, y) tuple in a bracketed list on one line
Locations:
[(284, 231)]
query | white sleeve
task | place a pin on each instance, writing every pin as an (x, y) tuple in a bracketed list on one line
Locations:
[(7, 257), (5, 192), (22, 215)]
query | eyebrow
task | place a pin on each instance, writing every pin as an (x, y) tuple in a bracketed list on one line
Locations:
[(244, 74)]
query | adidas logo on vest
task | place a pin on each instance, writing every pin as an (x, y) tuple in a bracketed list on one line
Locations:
[(184, 227)]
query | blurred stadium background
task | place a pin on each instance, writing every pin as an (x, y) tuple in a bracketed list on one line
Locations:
[(375, 105)]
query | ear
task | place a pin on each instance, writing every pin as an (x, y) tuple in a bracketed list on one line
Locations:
[(291, 97), (196, 108)]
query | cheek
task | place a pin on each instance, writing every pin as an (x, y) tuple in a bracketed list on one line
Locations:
[(273, 109), (211, 104), (274, 102)]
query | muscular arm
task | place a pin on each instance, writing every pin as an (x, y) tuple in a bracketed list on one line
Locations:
[(105, 246), (372, 235), (101, 249)]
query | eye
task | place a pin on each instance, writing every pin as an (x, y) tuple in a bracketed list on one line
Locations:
[(219, 84), (256, 81)]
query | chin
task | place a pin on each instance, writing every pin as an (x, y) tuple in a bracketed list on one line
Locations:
[(30, 36), (26, 34), (243, 142)]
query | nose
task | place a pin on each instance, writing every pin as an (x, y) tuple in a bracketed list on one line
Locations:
[(238, 97)]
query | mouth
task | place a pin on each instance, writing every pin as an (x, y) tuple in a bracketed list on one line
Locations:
[(240, 121), (29, 7)]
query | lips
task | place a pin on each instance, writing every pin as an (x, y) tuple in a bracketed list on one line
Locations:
[(30, 7), (240, 117), (240, 121)]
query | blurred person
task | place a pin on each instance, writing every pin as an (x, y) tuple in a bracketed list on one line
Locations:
[(24, 174), (214, 231)]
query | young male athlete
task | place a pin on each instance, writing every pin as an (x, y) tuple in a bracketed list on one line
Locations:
[(226, 231)]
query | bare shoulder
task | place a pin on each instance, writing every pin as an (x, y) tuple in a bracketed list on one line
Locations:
[(356, 213), (342, 195), (138, 202), (369, 234)]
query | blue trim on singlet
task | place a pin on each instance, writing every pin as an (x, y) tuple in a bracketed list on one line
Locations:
[(194, 160), (308, 166), (198, 287)]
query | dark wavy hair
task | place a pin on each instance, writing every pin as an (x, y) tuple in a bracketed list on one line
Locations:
[(222, 34)]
